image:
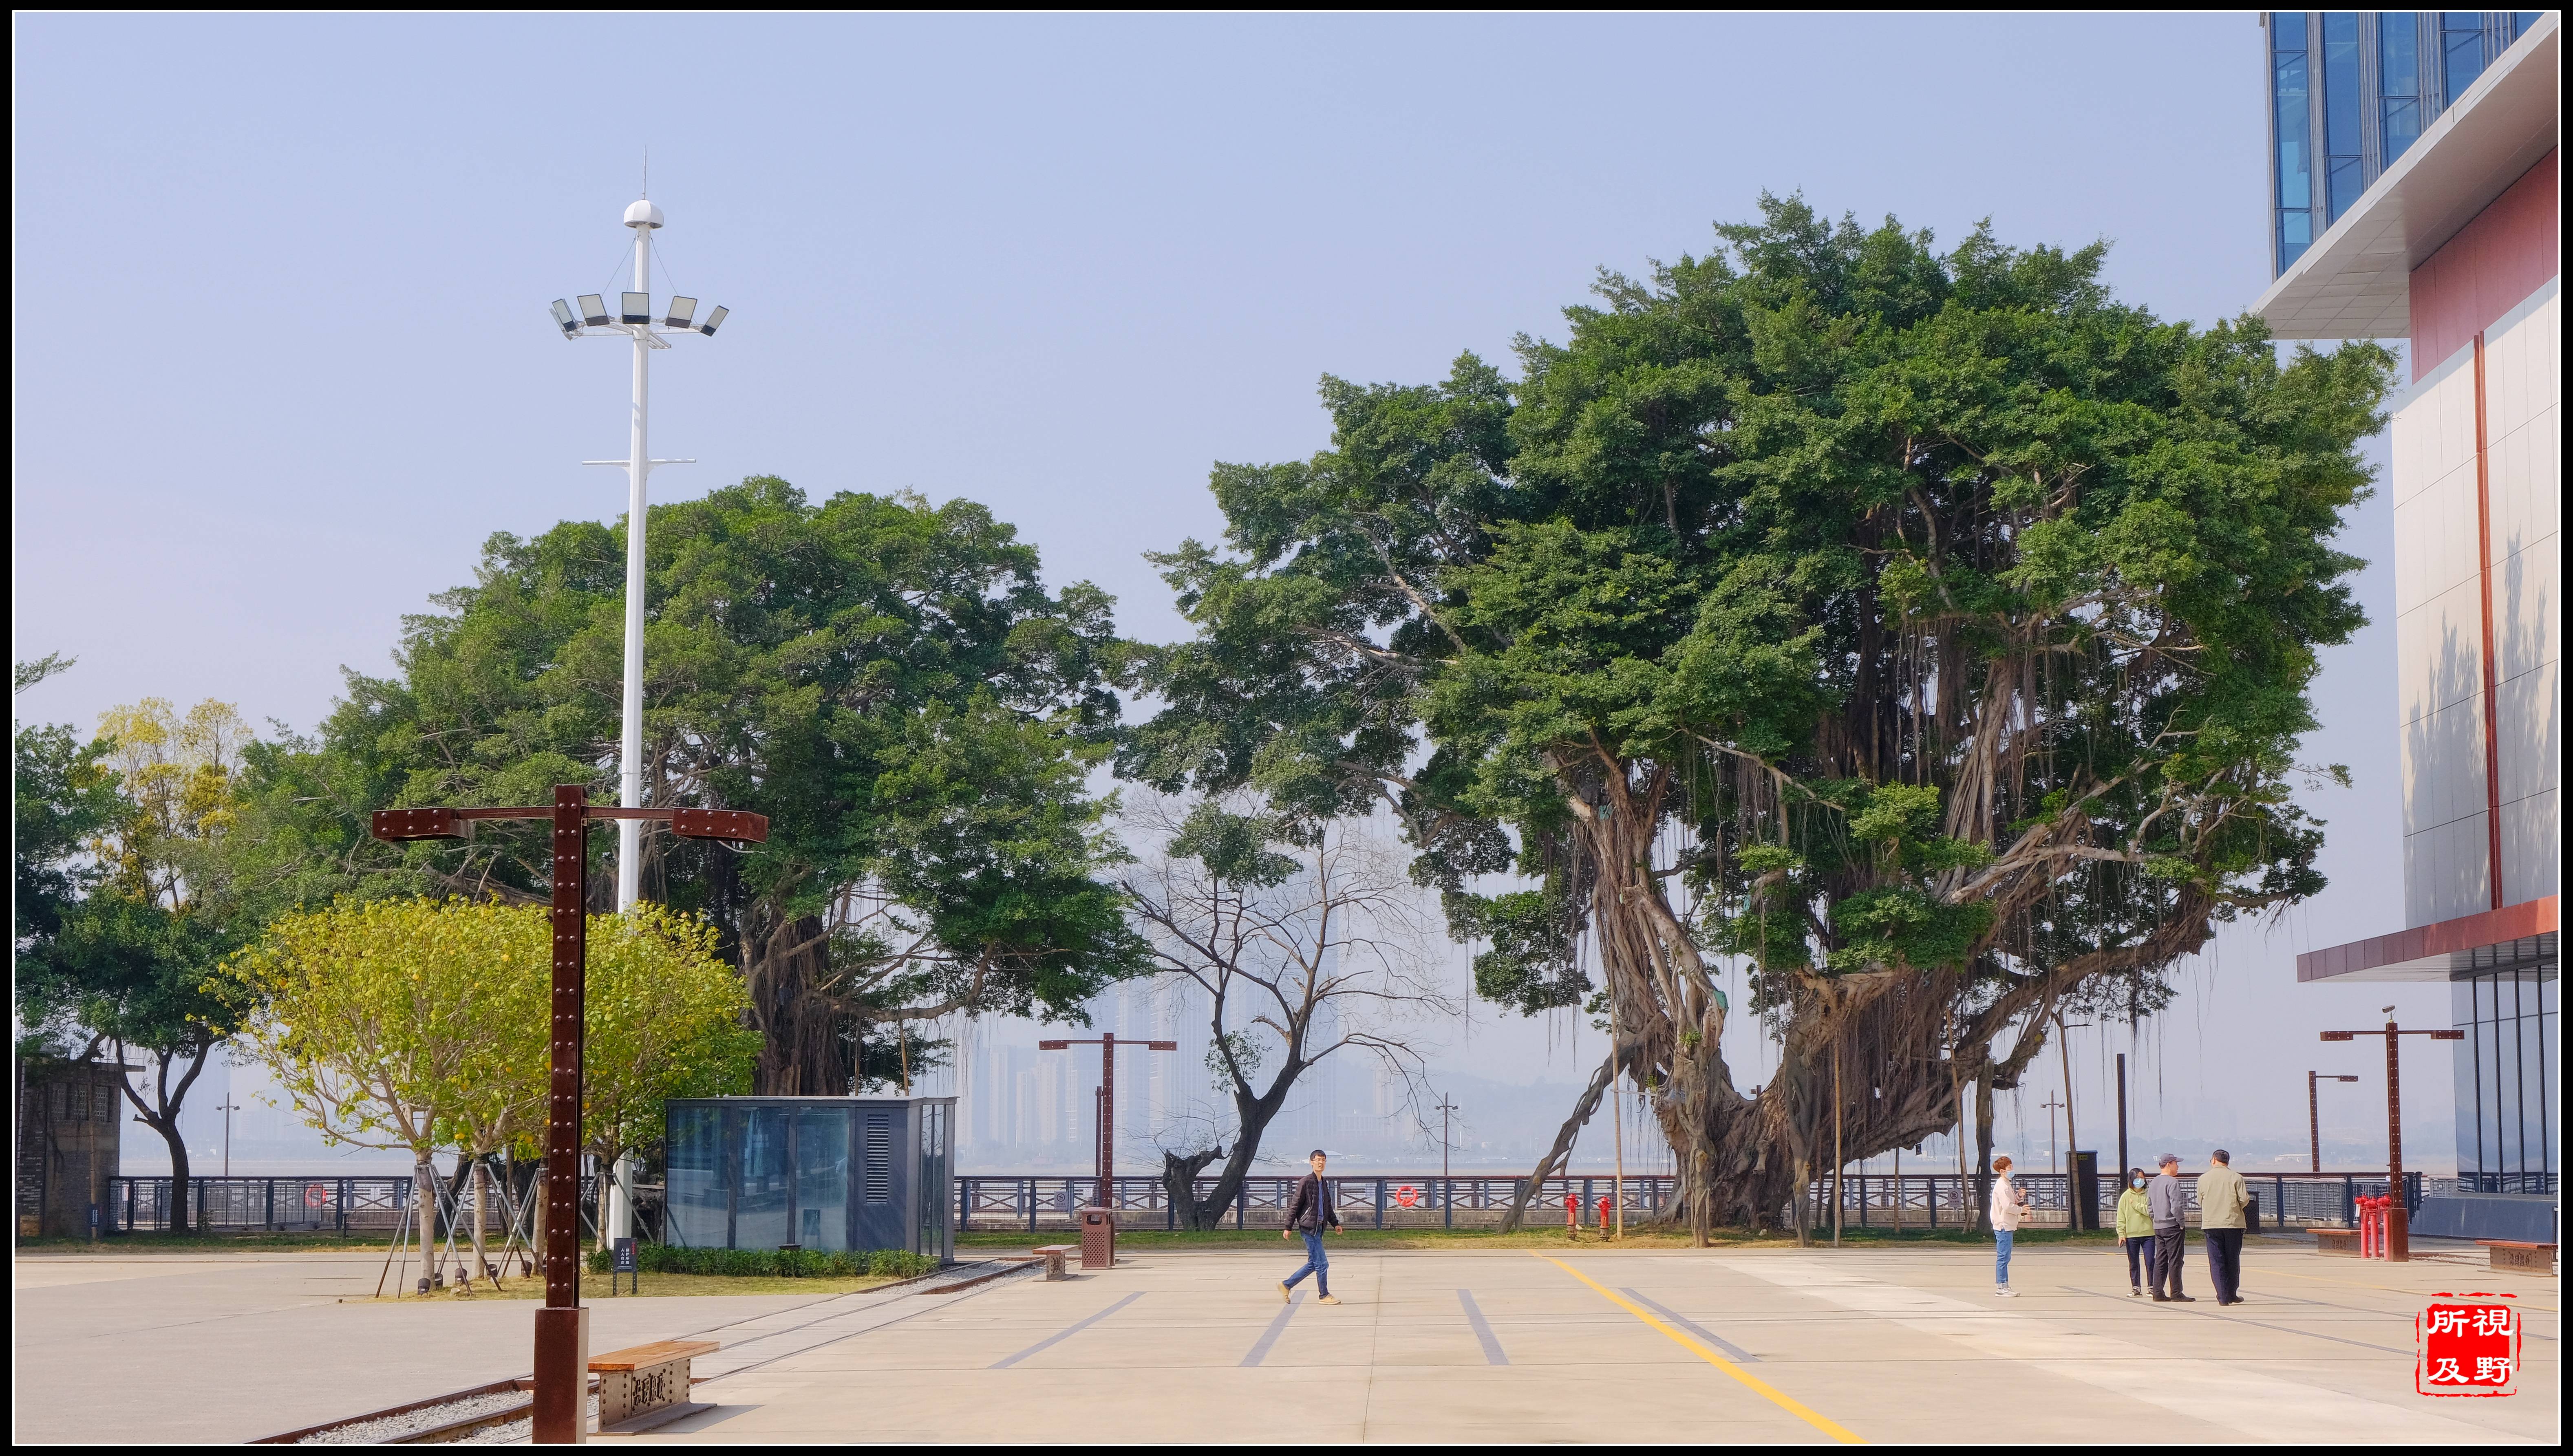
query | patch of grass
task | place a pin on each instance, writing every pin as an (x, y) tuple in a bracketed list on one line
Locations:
[(804, 1263), (1390, 1240), (595, 1287)]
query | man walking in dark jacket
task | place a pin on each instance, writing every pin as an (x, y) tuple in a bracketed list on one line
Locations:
[(1309, 1214)]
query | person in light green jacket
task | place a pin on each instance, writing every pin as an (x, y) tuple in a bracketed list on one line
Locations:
[(2136, 1230)]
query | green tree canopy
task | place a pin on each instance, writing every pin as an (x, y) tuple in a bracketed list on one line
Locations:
[(888, 681), (1929, 629)]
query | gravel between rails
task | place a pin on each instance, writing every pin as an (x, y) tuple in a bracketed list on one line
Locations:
[(514, 1432), (411, 1422)]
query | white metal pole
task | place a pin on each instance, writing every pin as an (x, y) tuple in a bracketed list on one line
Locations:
[(629, 756), (638, 466)]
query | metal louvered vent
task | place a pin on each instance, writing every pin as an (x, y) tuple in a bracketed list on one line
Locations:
[(879, 1156)]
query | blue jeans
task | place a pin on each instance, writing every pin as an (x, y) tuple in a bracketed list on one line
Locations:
[(2001, 1256), (1317, 1263)]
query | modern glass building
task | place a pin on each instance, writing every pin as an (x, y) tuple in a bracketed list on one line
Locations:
[(2350, 90), (825, 1174), (2416, 185)]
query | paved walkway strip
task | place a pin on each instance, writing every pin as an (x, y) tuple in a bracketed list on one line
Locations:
[(1699, 1348), (1049, 1341), (1693, 1327), (1493, 1354), (2311, 1334), (1269, 1338)]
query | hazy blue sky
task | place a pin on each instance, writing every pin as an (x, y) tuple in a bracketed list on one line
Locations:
[(282, 361)]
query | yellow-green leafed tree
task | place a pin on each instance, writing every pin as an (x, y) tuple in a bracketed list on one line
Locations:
[(405, 1024), (664, 1018)]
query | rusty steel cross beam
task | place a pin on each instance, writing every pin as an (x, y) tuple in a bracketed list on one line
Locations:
[(562, 1330), (2399, 1220)]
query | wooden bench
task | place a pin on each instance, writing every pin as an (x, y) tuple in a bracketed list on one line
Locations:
[(646, 1385), (2337, 1240), (1055, 1255), (2526, 1258)]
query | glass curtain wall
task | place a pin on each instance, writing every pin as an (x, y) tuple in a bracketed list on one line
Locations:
[(2399, 74), (2507, 1120), (2344, 162), (2290, 95), (2350, 90)]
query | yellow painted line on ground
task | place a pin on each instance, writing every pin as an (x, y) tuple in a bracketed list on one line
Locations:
[(2388, 1289), (1695, 1347)]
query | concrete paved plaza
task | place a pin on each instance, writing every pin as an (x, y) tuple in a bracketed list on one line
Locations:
[(1581, 1344), (1594, 1345)]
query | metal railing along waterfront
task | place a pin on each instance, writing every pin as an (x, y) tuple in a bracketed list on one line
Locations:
[(1868, 1201), (300, 1203)]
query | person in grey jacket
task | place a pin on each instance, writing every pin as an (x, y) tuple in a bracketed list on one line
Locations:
[(2167, 1201)]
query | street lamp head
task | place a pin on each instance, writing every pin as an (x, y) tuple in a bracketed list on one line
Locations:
[(735, 827), (712, 320), (593, 309), (637, 308), (2345, 1079), (565, 319), (643, 214), (2339, 1035), (401, 824), (1053, 1046), (682, 312)]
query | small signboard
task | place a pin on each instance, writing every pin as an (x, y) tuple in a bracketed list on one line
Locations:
[(630, 1261)]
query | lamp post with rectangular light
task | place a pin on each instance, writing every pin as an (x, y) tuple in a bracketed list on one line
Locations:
[(562, 1328), (2398, 1247), (1107, 1044), (632, 317)]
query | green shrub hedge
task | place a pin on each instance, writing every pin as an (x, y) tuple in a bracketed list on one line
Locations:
[(791, 1264)]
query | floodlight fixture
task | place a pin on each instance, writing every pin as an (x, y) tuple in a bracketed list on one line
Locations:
[(712, 320), (2448, 1036), (1052, 1046), (565, 319), (637, 308), (593, 309), (681, 314), (2339, 1035)]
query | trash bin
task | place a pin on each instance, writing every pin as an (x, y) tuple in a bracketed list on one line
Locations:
[(1097, 1238), (2251, 1215)]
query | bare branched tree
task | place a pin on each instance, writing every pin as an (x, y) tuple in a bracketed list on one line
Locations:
[(1309, 941)]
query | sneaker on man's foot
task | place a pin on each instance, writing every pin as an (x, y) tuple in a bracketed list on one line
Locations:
[(2007, 1292), (1285, 1292), (1328, 1299), (2135, 1292)]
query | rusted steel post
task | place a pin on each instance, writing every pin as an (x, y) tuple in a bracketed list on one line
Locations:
[(561, 1411)]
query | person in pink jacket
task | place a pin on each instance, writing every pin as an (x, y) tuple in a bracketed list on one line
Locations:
[(2010, 1207)]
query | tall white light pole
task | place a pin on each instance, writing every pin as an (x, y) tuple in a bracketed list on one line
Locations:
[(634, 317)]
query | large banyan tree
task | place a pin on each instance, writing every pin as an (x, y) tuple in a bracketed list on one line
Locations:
[(1929, 631), (889, 681)]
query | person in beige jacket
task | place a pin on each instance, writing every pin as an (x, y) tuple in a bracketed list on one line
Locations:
[(2221, 1197)]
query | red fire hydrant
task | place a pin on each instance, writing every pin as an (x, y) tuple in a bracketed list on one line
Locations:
[(1607, 1216), (1572, 1214)]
